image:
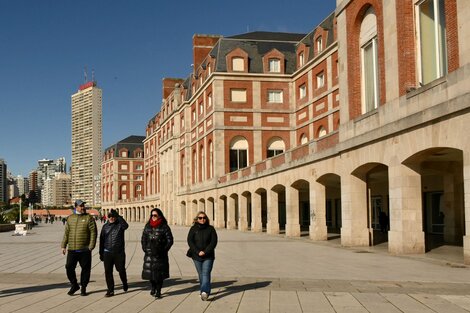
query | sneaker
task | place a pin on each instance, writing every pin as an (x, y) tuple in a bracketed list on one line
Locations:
[(109, 294), (73, 289), (83, 292), (125, 287), (204, 296)]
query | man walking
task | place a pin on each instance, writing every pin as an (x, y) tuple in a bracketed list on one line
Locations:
[(112, 251), (80, 239)]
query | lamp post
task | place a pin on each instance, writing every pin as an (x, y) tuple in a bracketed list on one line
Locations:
[(21, 221)]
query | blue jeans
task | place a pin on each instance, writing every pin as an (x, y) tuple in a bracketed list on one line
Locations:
[(204, 269)]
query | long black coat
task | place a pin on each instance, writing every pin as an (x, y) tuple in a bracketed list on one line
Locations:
[(156, 242), (202, 238)]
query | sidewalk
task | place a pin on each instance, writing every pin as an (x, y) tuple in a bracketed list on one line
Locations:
[(252, 273)]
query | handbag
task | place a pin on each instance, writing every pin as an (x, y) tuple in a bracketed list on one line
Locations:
[(188, 253)]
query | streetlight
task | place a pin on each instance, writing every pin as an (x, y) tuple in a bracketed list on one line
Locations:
[(21, 221)]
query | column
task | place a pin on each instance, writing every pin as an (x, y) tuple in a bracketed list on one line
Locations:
[(406, 213), (242, 216), (231, 207), (272, 226), (256, 224), (292, 212), (318, 230)]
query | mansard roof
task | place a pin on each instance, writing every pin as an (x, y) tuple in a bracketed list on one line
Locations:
[(130, 143)]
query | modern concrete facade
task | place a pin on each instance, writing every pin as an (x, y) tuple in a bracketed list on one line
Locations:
[(320, 135), (86, 142)]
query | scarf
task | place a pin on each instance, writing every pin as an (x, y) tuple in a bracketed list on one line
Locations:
[(155, 224)]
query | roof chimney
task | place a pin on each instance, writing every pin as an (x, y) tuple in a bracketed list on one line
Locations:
[(202, 45)]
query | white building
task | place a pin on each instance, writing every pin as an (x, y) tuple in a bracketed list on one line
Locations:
[(86, 141)]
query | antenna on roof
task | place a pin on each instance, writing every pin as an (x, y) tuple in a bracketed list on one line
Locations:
[(92, 74), (85, 74)]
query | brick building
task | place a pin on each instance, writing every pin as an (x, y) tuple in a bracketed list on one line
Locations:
[(320, 134)]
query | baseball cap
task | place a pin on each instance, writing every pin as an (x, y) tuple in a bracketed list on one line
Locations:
[(79, 203)]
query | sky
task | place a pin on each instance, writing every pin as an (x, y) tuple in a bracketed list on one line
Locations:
[(45, 45)]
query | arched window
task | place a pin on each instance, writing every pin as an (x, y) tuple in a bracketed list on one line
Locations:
[(369, 62), (202, 161), (321, 132), (275, 146), (211, 160), (238, 153), (303, 139), (194, 166), (182, 171)]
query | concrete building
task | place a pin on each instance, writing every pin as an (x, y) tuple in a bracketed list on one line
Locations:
[(123, 173), (321, 134), (86, 142), (23, 185), (3, 181)]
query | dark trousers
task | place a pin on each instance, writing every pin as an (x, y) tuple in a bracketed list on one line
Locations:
[(84, 258), (157, 284), (118, 260)]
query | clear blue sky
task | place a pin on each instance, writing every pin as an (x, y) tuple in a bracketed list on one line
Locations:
[(131, 45)]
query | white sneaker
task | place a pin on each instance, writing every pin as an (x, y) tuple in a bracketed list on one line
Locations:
[(204, 296)]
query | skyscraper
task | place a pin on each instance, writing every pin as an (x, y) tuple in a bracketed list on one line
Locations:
[(3, 181), (86, 141)]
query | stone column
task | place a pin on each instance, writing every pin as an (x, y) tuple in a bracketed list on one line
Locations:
[(292, 212), (466, 184), (242, 216), (231, 223), (318, 230), (406, 213), (210, 210), (132, 214), (354, 230), (256, 224), (272, 226), (218, 213), (201, 206)]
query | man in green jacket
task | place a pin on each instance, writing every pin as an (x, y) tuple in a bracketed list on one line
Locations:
[(79, 240)]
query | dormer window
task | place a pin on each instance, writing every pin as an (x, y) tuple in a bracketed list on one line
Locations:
[(301, 59), (274, 65), (319, 44), (238, 64)]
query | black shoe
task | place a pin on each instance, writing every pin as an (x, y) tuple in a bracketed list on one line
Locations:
[(152, 291), (158, 294), (83, 292), (109, 294), (125, 287), (73, 289)]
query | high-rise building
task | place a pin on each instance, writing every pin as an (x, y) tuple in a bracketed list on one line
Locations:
[(3, 181), (86, 141), (56, 190), (23, 185)]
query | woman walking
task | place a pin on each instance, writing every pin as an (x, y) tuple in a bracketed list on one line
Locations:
[(202, 240), (157, 240)]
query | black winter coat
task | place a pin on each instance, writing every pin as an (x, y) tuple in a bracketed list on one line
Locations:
[(112, 236), (202, 238), (156, 242)]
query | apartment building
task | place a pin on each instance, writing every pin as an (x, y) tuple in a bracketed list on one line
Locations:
[(320, 134)]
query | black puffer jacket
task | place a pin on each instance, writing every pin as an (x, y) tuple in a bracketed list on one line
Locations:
[(202, 238), (112, 236), (156, 242)]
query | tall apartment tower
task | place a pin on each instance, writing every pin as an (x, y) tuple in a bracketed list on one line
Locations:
[(3, 181), (86, 142)]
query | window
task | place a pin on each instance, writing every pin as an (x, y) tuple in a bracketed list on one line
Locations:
[(303, 139), (209, 100), (138, 188), (201, 108), (275, 146), (124, 154), (369, 62), (301, 59), (274, 65), (319, 44), (124, 177), (432, 40), (182, 122), (238, 154), (275, 96), (321, 132), (138, 154), (320, 80), (238, 95), (211, 162), (194, 166), (238, 64), (139, 177), (138, 167), (124, 167), (194, 115), (202, 159), (302, 91), (209, 69)]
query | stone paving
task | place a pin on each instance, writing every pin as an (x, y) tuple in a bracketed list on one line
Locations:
[(252, 273)]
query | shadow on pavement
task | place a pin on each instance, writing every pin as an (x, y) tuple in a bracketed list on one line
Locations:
[(32, 289)]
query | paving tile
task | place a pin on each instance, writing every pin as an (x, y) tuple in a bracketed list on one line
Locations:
[(284, 301), (374, 302), (437, 303), (406, 303), (254, 301), (314, 302), (461, 301), (344, 302)]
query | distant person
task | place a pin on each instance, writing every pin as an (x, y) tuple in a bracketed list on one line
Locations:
[(112, 251), (383, 221), (202, 240), (156, 241), (80, 240), (64, 220)]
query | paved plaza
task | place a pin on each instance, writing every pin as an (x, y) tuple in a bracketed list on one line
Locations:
[(252, 273)]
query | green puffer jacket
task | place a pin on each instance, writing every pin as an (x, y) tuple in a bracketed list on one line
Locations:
[(80, 232)]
